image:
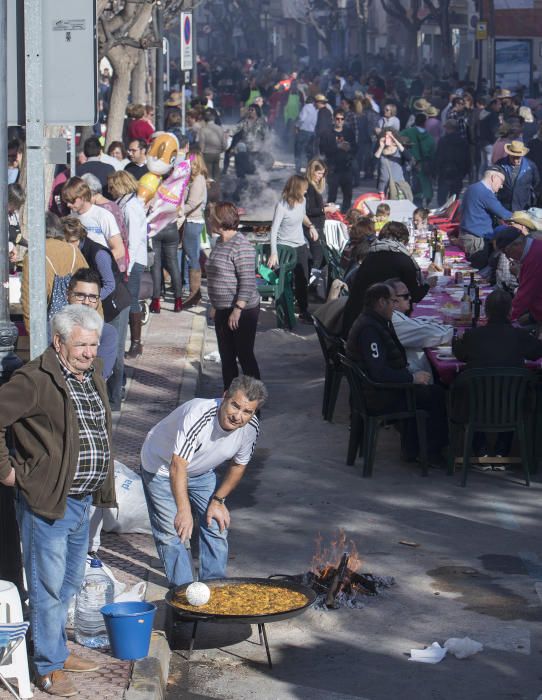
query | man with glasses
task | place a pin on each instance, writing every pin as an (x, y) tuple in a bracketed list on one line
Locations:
[(84, 288), (338, 147), (527, 251), (374, 345), (415, 334), (479, 206), (137, 153)]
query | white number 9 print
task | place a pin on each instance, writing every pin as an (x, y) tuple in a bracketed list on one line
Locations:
[(374, 350)]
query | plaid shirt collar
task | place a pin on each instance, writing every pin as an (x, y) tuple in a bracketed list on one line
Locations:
[(68, 374)]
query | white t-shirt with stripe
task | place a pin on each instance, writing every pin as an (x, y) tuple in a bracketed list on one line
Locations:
[(193, 432)]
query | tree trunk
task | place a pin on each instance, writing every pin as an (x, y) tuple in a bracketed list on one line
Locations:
[(123, 59), (411, 46), (139, 90)]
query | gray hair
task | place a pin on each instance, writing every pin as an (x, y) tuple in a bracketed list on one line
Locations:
[(92, 181), (252, 388), (69, 317)]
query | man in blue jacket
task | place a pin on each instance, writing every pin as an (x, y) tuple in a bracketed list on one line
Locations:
[(479, 206), (522, 179)]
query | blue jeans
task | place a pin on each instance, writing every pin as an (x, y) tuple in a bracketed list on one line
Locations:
[(303, 148), (114, 383), (213, 544), (54, 553), (133, 284), (191, 243)]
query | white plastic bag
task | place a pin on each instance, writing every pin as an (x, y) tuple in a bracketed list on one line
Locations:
[(136, 592), (463, 648), (133, 515)]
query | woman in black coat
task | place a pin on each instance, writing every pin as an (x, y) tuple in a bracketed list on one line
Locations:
[(388, 257)]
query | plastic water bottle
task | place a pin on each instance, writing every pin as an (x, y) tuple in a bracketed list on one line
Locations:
[(95, 592)]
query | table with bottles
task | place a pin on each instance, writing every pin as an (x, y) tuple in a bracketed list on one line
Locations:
[(457, 299)]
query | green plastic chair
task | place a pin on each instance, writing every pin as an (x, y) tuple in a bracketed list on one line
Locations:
[(332, 346), (333, 262), (499, 400), (364, 422), (280, 287)]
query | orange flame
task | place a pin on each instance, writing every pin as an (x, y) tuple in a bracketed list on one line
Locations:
[(327, 557)]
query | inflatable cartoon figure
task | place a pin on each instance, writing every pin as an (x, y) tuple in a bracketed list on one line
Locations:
[(163, 188)]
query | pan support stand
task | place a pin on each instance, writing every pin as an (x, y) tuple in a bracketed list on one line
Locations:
[(193, 639), (261, 631), (263, 641)]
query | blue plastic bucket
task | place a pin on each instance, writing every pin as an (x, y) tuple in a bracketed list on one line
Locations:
[(129, 627)]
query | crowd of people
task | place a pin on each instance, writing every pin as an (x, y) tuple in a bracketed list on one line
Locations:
[(342, 127)]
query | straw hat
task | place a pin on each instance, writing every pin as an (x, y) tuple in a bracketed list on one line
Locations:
[(174, 100), (503, 92), (516, 148), (523, 218), (421, 105), (320, 98), (432, 111)]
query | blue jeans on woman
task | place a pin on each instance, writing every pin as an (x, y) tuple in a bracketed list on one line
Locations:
[(213, 544), (55, 554), (192, 243), (133, 284)]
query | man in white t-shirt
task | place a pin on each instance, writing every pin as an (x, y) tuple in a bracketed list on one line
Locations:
[(178, 460), (99, 223)]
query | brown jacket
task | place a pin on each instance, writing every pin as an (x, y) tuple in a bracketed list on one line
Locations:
[(45, 435)]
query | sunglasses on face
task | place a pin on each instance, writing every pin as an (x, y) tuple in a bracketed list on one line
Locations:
[(403, 296), (339, 119)]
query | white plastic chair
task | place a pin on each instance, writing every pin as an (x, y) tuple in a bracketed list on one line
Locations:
[(13, 657)]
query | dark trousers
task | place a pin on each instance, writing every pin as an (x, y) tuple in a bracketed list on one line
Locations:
[(430, 398), (237, 345), (301, 277), (165, 245), (447, 186), (342, 179)]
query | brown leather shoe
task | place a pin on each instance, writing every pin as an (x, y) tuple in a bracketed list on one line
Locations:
[(56, 683), (75, 664)]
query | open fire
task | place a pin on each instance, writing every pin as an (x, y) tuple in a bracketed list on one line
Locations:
[(336, 575)]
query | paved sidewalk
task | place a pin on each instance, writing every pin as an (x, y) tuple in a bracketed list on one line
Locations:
[(164, 375)]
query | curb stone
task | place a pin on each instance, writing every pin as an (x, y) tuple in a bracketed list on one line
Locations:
[(149, 675)]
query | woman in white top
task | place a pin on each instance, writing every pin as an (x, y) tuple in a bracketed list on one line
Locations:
[(287, 229), (389, 119), (194, 221), (123, 187)]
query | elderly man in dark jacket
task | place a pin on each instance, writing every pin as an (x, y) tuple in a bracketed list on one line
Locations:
[(60, 460), (522, 179), (373, 343)]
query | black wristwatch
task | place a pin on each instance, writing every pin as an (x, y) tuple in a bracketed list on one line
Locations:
[(238, 307), (222, 501)]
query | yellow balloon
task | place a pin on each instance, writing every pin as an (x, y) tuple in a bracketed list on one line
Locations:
[(148, 184)]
